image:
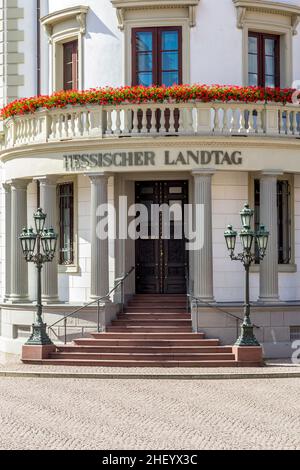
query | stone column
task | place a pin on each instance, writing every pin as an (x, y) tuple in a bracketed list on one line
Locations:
[(203, 258), (7, 193), (268, 291), (99, 247), (19, 267), (48, 203)]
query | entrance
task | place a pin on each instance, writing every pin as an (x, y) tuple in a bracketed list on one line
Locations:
[(161, 263)]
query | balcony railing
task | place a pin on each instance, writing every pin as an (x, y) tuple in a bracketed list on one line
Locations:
[(153, 120)]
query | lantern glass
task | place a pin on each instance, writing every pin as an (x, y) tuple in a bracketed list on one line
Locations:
[(49, 240), (246, 216), (28, 241), (247, 237), (39, 220), (230, 238), (262, 237)]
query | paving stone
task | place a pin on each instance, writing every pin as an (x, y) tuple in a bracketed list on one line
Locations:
[(148, 414)]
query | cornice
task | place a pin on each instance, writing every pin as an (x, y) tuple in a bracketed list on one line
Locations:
[(131, 143), (266, 6), (124, 5), (77, 12)]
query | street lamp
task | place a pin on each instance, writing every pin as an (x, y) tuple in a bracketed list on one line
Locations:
[(39, 247), (247, 257)]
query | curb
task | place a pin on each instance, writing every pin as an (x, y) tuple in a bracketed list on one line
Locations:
[(97, 376)]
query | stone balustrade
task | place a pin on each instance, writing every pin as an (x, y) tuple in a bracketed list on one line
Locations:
[(152, 119)]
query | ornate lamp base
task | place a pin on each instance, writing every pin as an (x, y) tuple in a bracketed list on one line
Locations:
[(247, 337), (39, 335)]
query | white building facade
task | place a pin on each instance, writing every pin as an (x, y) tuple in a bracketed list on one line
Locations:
[(218, 155)]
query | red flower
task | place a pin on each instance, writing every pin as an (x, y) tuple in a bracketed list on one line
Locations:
[(140, 94)]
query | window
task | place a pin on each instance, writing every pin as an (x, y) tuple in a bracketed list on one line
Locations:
[(157, 56), (263, 60), (66, 223), (284, 218), (66, 29), (294, 333), (70, 65)]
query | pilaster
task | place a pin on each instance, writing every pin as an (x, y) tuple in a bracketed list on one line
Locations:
[(268, 291), (203, 258), (49, 206), (19, 268)]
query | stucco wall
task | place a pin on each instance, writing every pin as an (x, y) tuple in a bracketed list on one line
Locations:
[(216, 44), (75, 287), (229, 193), (215, 53)]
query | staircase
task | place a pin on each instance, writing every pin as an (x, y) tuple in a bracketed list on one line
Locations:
[(154, 331)]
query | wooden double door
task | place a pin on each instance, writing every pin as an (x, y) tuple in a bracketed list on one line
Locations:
[(161, 256)]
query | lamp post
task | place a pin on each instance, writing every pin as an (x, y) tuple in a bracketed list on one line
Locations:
[(247, 257), (39, 247)]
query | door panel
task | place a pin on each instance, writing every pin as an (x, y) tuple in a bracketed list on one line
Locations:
[(161, 262), (175, 256)]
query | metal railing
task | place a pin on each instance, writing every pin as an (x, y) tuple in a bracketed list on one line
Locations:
[(191, 298), (216, 307), (120, 282)]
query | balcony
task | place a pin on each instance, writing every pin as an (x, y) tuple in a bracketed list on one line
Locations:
[(152, 120)]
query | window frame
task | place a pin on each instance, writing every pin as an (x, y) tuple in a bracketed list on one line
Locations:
[(75, 68), (261, 37), (63, 26), (74, 267), (255, 16), (70, 196), (291, 267), (156, 52)]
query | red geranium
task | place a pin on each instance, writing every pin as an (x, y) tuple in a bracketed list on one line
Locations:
[(141, 94)]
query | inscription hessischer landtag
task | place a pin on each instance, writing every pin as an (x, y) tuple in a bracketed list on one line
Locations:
[(167, 158)]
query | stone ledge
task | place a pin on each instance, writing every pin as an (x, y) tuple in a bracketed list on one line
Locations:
[(150, 376), (245, 355), (35, 352)]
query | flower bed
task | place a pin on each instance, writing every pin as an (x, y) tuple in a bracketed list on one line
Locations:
[(140, 94)]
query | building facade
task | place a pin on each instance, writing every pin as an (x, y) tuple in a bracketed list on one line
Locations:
[(216, 155)]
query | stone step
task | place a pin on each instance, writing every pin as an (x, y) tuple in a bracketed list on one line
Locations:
[(154, 316), (141, 348), (146, 343), (116, 356), (159, 296), (148, 336), (137, 364), (152, 329), (156, 309), (151, 322), (158, 302)]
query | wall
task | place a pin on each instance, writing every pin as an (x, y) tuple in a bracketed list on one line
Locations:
[(297, 235), (75, 287), (102, 44), (215, 37), (216, 40), (28, 48), (229, 194)]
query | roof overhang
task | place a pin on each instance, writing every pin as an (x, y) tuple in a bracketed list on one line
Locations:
[(77, 13), (124, 5), (266, 6)]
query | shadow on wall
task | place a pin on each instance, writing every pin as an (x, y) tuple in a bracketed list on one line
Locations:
[(95, 25)]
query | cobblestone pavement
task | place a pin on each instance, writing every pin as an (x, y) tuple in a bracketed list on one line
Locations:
[(149, 414), (9, 362)]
